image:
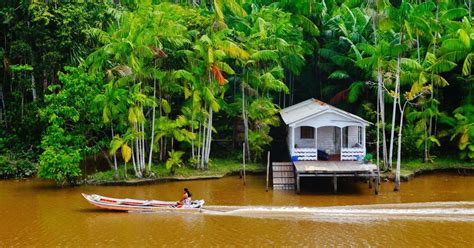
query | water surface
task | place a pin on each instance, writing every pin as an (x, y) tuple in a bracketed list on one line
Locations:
[(432, 210)]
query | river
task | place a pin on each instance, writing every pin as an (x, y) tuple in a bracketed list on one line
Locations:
[(431, 210)]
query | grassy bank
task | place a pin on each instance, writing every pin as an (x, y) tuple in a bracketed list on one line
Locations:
[(220, 167), (410, 167), (217, 168)]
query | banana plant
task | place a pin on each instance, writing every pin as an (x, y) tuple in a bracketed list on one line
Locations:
[(124, 143), (462, 130), (112, 103)]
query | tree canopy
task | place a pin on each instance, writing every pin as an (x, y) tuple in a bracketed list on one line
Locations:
[(156, 83)]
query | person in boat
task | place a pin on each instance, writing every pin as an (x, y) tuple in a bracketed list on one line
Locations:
[(186, 198)]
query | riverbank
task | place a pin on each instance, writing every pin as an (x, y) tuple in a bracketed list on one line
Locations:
[(413, 168), (217, 169), (225, 167)]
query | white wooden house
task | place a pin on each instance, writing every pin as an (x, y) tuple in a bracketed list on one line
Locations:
[(314, 125)]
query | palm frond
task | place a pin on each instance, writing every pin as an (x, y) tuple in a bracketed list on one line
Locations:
[(263, 55), (307, 25), (467, 65), (441, 66), (355, 91), (410, 64), (453, 14), (339, 74)]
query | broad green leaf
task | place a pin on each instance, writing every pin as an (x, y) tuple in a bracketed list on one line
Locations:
[(126, 153), (455, 13), (464, 37), (115, 144), (467, 65), (166, 106)]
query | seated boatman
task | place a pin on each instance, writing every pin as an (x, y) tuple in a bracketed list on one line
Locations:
[(186, 198)]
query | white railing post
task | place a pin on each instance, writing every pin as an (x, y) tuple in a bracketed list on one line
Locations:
[(316, 141), (363, 140), (292, 137), (341, 144)]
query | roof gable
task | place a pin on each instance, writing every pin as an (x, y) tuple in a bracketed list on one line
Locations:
[(313, 107)]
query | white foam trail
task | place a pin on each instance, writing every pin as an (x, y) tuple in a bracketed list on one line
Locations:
[(431, 211)]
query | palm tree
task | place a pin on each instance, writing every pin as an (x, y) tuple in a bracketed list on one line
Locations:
[(428, 72), (123, 143), (112, 103)]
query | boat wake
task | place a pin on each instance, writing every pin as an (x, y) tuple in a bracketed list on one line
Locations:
[(428, 211)]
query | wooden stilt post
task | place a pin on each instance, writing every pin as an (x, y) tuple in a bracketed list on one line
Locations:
[(370, 181), (334, 180), (268, 169), (377, 183), (297, 183), (243, 159)]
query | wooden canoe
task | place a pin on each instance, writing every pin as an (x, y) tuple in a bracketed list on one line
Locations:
[(139, 205)]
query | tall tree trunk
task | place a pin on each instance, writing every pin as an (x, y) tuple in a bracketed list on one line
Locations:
[(204, 141), (378, 121), (379, 95), (430, 127), (209, 138), (395, 99), (134, 163), (246, 124), (137, 152), (199, 146), (418, 48), (125, 171), (161, 114), (116, 175), (425, 150), (106, 156), (399, 150), (382, 118), (192, 127), (470, 10), (394, 114), (150, 155), (143, 144), (33, 87)]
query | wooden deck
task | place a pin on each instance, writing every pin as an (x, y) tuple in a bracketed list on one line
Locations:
[(332, 167), (335, 169)]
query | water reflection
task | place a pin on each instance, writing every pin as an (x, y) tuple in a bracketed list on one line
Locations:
[(435, 210)]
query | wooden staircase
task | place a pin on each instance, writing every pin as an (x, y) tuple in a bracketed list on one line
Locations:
[(283, 174)]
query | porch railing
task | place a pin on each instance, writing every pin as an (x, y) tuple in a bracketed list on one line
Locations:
[(351, 154), (305, 153)]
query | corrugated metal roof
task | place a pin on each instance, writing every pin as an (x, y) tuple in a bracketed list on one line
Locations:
[(309, 108)]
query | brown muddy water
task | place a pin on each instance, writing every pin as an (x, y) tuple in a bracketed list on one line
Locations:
[(431, 210)]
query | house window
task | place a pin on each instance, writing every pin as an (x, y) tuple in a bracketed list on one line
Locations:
[(359, 140), (307, 133)]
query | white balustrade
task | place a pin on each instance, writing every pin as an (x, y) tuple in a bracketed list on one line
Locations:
[(351, 154), (306, 153)]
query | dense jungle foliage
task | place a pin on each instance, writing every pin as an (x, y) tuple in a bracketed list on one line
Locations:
[(170, 83)]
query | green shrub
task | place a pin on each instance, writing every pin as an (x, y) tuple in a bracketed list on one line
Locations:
[(368, 158), (61, 165), (25, 168), (174, 161), (16, 169), (7, 169)]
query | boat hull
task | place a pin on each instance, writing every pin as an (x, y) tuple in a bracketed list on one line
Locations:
[(132, 205)]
